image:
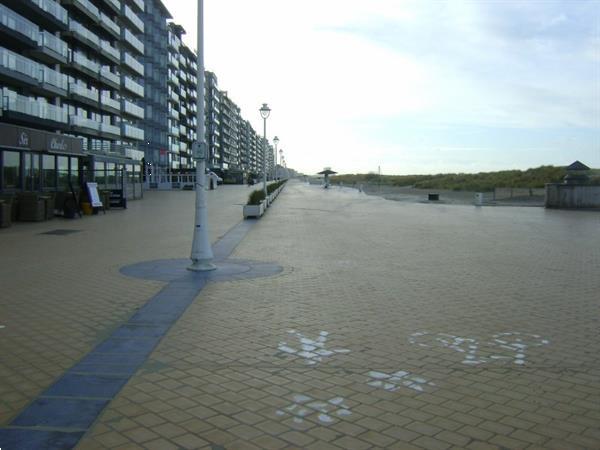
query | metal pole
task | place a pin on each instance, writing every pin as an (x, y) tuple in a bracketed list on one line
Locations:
[(202, 254), (275, 167), (265, 156)]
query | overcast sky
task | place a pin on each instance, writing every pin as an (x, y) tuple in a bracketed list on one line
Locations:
[(424, 86)]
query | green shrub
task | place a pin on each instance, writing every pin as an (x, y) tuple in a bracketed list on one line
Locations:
[(256, 197)]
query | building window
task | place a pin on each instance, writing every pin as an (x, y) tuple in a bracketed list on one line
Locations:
[(48, 172), (11, 170), (32, 171), (74, 172), (63, 172)]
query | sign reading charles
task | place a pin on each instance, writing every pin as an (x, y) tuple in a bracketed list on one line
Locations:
[(58, 144)]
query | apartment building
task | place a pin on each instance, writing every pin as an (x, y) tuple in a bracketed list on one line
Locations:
[(70, 77)]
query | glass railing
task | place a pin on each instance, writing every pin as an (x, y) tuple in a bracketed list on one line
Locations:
[(133, 63), (116, 4), (18, 63), (174, 114), (79, 29), (133, 86), (84, 122), (107, 74), (54, 78), (52, 8), (139, 4), (108, 128), (34, 108), (86, 5), (133, 109), (133, 18), (132, 132), (82, 91), (18, 23), (108, 101), (130, 39), (113, 51), (55, 44), (110, 23), (82, 60)]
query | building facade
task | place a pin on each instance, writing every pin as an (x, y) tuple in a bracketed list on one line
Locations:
[(73, 70)]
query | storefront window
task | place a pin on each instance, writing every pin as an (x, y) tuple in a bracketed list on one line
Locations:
[(110, 173), (32, 171), (99, 173), (49, 171), (11, 170), (63, 173), (74, 172)]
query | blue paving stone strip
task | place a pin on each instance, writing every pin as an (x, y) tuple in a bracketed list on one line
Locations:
[(60, 416)]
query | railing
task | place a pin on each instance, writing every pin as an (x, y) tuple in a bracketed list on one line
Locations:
[(52, 8), (79, 29), (139, 4), (18, 23), (54, 78), (130, 39), (108, 101), (133, 18), (133, 63), (82, 60), (84, 122), (110, 23), (132, 109), (132, 86), (132, 132), (108, 128), (32, 107), (174, 113), (88, 7), (18, 63), (55, 44), (107, 74), (116, 4), (113, 51), (82, 91)]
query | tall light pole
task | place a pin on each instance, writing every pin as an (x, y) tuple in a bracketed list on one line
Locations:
[(281, 156), (265, 111), (202, 254), (275, 141)]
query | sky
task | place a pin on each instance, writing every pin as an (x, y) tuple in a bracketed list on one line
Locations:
[(411, 86)]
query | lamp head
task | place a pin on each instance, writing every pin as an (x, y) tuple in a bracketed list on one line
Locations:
[(265, 111), (276, 140)]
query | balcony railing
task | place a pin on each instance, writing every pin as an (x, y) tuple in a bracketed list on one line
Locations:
[(55, 44), (132, 86), (133, 18), (132, 132), (110, 24), (130, 39), (54, 78), (116, 4), (133, 63), (108, 75), (82, 60), (87, 8), (108, 101), (82, 91), (19, 64), (53, 8), (83, 32), (34, 108), (174, 113), (132, 109), (18, 23), (139, 4), (108, 128), (113, 51), (84, 122)]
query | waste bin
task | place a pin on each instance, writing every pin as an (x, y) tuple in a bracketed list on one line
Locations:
[(479, 198)]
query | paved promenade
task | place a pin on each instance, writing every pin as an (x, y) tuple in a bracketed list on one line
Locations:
[(386, 325)]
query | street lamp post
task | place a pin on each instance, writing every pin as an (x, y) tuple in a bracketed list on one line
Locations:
[(275, 141), (265, 111), (281, 156), (202, 254)]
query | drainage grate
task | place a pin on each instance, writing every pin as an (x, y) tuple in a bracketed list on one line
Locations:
[(61, 232)]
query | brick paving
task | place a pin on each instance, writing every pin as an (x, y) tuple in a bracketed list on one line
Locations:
[(392, 325)]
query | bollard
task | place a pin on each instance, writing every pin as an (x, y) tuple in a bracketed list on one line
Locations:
[(478, 198)]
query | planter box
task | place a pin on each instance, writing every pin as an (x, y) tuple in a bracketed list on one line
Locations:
[(254, 210)]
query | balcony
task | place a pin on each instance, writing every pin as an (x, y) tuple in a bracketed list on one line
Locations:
[(115, 5), (19, 26), (113, 53), (128, 38), (86, 7), (83, 64), (182, 130), (84, 123), (174, 42), (33, 108), (174, 113), (22, 70), (173, 60), (173, 96), (110, 78), (84, 94), (139, 4), (174, 131), (84, 35), (111, 130), (106, 102), (132, 63), (54, 81), (133, 19), (51, 49), (132, 109), (49, 12), (132, 132), (132, 86), (109, 25)]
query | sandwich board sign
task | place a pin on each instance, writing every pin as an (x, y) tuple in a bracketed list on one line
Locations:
[(93, 193)]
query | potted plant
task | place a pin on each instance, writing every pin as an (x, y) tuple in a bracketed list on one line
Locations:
[(255, 206)]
